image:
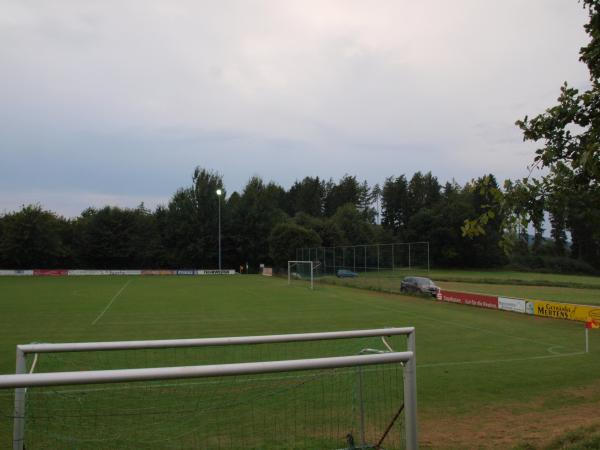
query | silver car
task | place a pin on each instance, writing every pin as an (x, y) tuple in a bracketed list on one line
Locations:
[(419, 285)]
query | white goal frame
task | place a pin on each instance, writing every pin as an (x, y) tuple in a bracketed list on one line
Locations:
[(22, 380), (312, 271)]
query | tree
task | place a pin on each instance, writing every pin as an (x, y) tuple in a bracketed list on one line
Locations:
[(286, 237), (395, 207), (33, 238), (307, 196), (117, 238), (355, 230), (347, 190), (191, 228), (256, 213)]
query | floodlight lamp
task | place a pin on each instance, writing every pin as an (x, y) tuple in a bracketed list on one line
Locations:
[(219, 191)]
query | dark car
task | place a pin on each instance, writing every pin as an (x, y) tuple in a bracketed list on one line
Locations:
[(342, 273), (419, 285)]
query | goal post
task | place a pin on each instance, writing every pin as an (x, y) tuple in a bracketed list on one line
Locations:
[(320, 388), (302, 270)]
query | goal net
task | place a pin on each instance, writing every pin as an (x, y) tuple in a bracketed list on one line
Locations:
[(306, 394), (306, 272)]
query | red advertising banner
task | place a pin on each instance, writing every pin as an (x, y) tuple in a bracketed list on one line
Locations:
[(465, 298), (50, 272)]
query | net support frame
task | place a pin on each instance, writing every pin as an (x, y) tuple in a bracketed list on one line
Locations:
[(304, 262), (21, 379)]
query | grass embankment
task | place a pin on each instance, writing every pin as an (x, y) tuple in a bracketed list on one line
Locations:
[(543, 286)]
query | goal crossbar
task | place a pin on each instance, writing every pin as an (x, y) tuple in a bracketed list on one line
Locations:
[(206, 342), (212, 370)]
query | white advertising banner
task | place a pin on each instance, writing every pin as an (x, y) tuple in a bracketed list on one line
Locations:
[(124, 272), (16, 273), (82, 272), (511, 304), (217, 272)]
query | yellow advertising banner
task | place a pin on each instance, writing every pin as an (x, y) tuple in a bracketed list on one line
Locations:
[(581, 313)]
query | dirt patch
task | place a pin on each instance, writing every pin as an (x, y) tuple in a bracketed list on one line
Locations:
[(505, 427)]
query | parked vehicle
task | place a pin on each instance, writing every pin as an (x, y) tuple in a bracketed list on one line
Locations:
[(343, 273), (419, 285)]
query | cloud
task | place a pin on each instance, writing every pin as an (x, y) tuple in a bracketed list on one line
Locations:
[(125, 98)]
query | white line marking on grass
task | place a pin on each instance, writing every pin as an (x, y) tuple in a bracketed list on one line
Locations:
[(111, 302), (553, 351), (496, 361)]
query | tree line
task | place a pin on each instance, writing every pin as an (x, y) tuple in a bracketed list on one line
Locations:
[(265, 223)]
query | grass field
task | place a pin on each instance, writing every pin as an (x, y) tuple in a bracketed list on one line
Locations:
[(486, 379)]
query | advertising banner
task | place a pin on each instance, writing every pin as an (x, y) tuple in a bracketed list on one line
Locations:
[(217, 272), (187, 272), (158, 272), (24, 273), (15, 273), (580, 313), (267, 271), (511, 304), (50, 272), (124, 272), (79, 272), (464, 298)]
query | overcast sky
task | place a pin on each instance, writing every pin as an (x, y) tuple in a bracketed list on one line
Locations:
[(116, 102)]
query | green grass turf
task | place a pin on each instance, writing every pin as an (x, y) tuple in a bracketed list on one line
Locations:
[(469, 359)]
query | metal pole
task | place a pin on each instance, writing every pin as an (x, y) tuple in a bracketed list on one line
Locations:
[(19, 413), (212, 370), (377, 257), (219, 195), (427, 256), (334, 260), (289, 278), (311, 275), (587, 340), (365, 247), (363, 441), (354, 248), (409, 266), (393, 266), (410, 395)]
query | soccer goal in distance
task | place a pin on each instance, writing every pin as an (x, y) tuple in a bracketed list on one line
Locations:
[(304, 271)]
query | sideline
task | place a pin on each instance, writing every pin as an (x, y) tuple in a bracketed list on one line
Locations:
[(111, 302)]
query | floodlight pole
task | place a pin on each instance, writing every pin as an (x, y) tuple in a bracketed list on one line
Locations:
[(219, 192)]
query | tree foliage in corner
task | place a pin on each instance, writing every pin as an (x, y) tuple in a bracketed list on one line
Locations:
[(570, 134)]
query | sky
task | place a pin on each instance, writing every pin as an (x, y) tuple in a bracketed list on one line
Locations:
[(116, 102)]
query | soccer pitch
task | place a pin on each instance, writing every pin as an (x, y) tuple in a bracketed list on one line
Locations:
[(514, 375)]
